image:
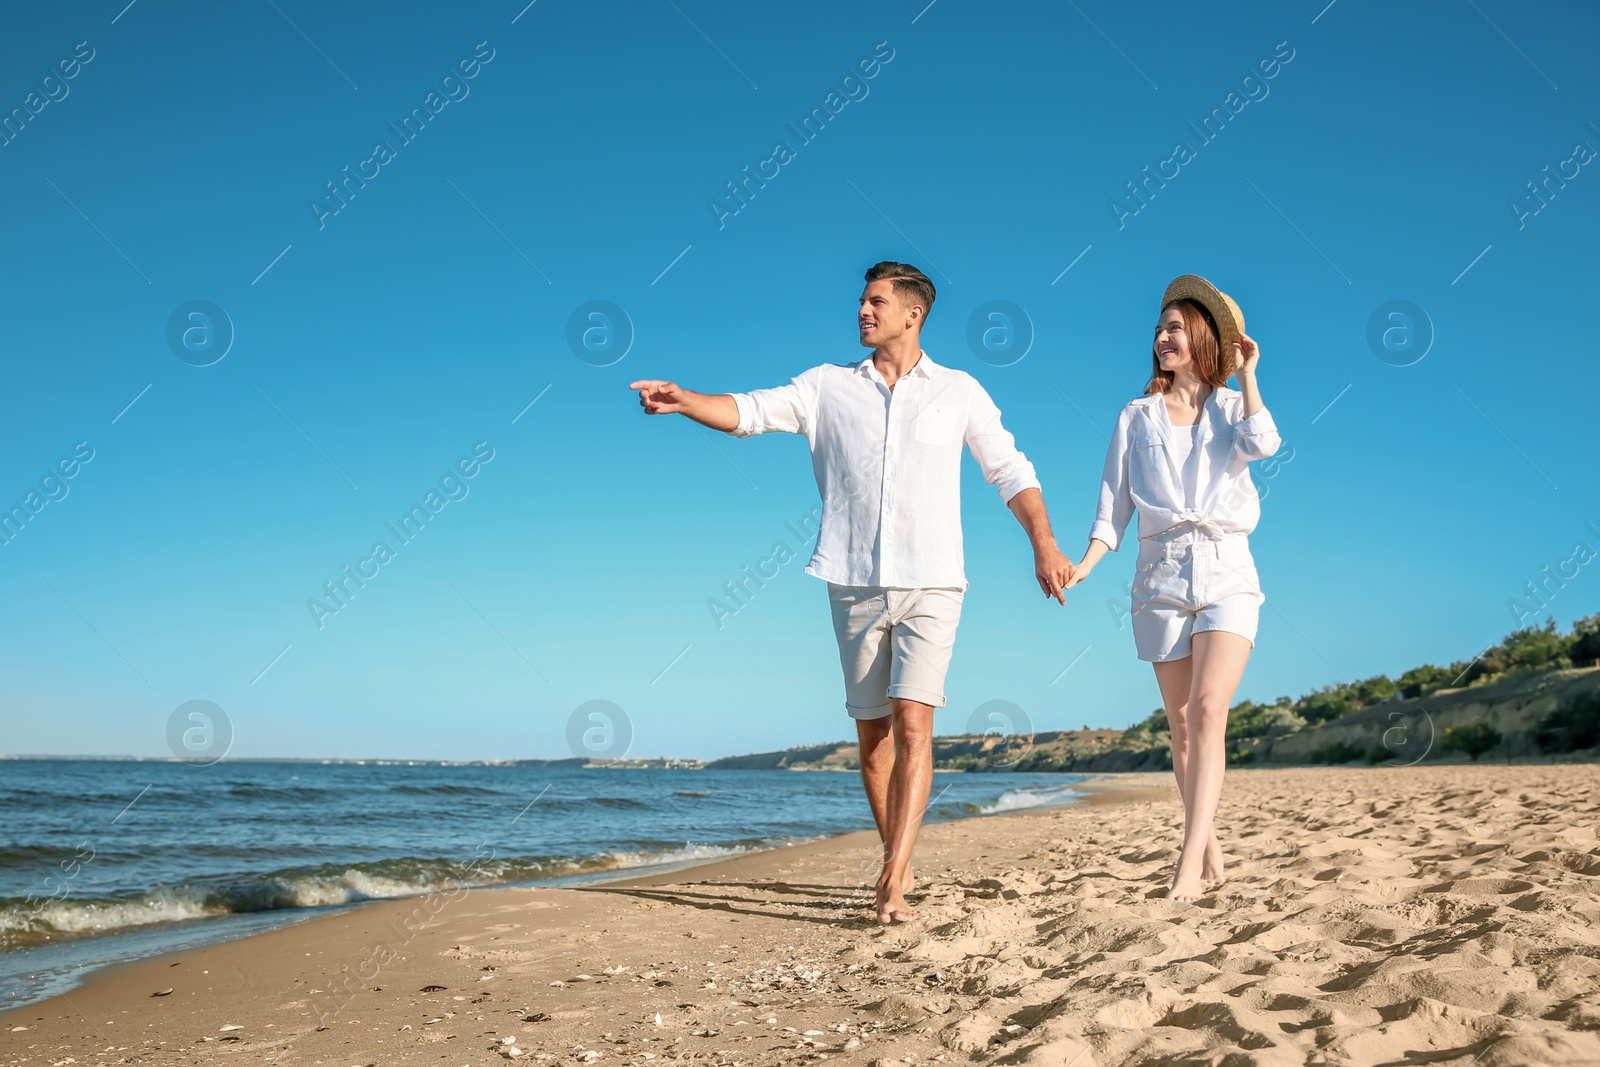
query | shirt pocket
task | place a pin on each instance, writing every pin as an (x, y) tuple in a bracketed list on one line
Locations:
[(936, 424), (1148, 454)]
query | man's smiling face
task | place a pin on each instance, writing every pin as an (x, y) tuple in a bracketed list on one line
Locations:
[(883, 316)]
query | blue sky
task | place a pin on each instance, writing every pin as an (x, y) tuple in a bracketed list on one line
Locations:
[(374, 347)]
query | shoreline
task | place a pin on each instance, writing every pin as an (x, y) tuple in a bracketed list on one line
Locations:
[(396, 918), (268, 921), (1444, 915)]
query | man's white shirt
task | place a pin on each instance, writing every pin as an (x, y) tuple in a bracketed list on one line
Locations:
[(888, 466)]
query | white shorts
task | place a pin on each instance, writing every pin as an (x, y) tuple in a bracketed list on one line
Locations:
[(1180, 590), (894, 644)]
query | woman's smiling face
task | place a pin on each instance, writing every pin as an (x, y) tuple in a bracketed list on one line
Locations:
[(1172, 341)]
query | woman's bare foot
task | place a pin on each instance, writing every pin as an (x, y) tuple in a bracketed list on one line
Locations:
[(1188, 885), (1186, 890), (1211, 872), (907, 884)]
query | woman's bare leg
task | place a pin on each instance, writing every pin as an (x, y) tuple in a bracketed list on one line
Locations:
[(1176, 678), (1219, 662)]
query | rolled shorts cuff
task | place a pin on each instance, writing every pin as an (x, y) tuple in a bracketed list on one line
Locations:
[(1172, 636), (1239, 628), (880, 712), (922, 696)]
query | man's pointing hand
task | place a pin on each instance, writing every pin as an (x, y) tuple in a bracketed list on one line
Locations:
[(659, 398)]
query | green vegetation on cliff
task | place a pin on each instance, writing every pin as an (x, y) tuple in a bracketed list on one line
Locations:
[(1521, 696)]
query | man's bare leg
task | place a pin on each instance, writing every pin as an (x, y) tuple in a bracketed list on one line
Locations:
[(876, 738), (909, 784)]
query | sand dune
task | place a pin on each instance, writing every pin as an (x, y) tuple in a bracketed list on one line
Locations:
[(1426, 915)]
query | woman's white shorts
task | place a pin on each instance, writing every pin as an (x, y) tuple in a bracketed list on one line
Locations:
[(1183, 589)]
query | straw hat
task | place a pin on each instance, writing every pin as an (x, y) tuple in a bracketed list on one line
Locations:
[(1229, 319)]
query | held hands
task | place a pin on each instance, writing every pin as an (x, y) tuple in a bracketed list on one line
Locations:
[(1053, 571), (1246, 354), (660, 398), (1080, 571)]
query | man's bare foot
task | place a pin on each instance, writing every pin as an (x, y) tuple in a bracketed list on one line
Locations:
[(893, 909), (908, 883), (892, 906), (1211, 872)]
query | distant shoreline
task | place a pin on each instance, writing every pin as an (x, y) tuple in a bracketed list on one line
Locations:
[(1391, 731)]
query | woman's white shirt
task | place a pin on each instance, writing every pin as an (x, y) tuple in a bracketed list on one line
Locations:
[(1205, 494), (1186, 458)]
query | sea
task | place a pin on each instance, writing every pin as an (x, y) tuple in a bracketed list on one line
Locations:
[(108, 861)]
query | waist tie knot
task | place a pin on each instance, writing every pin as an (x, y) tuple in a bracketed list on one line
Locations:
[(1203, 522)]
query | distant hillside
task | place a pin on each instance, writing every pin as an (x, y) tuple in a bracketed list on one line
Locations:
[(838, 756), (1048, 751), (1528, 714), (1516, 708), (1536, 692), (971, 752)]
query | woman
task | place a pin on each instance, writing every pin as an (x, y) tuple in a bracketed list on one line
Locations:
[(1180, 456)]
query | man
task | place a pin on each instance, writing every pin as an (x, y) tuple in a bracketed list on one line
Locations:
[(886, 436)]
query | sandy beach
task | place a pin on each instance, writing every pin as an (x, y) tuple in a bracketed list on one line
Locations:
[(1440, 915)]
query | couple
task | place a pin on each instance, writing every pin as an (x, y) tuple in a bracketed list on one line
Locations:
[(886, 436)]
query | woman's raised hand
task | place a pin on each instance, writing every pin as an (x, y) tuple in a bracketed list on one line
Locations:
[(1246, 354)]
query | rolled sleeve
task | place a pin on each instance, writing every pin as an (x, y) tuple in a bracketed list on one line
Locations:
[(1256, 437), (1102, 530), (747, 416), (992, 445), (1018, 476), (1115, 508), (785, 409)]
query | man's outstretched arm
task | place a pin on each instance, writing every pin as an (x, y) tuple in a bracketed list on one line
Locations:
[(718, 411), (1052, 569)]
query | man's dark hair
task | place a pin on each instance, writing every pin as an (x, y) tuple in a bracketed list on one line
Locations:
[(910, 284)]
